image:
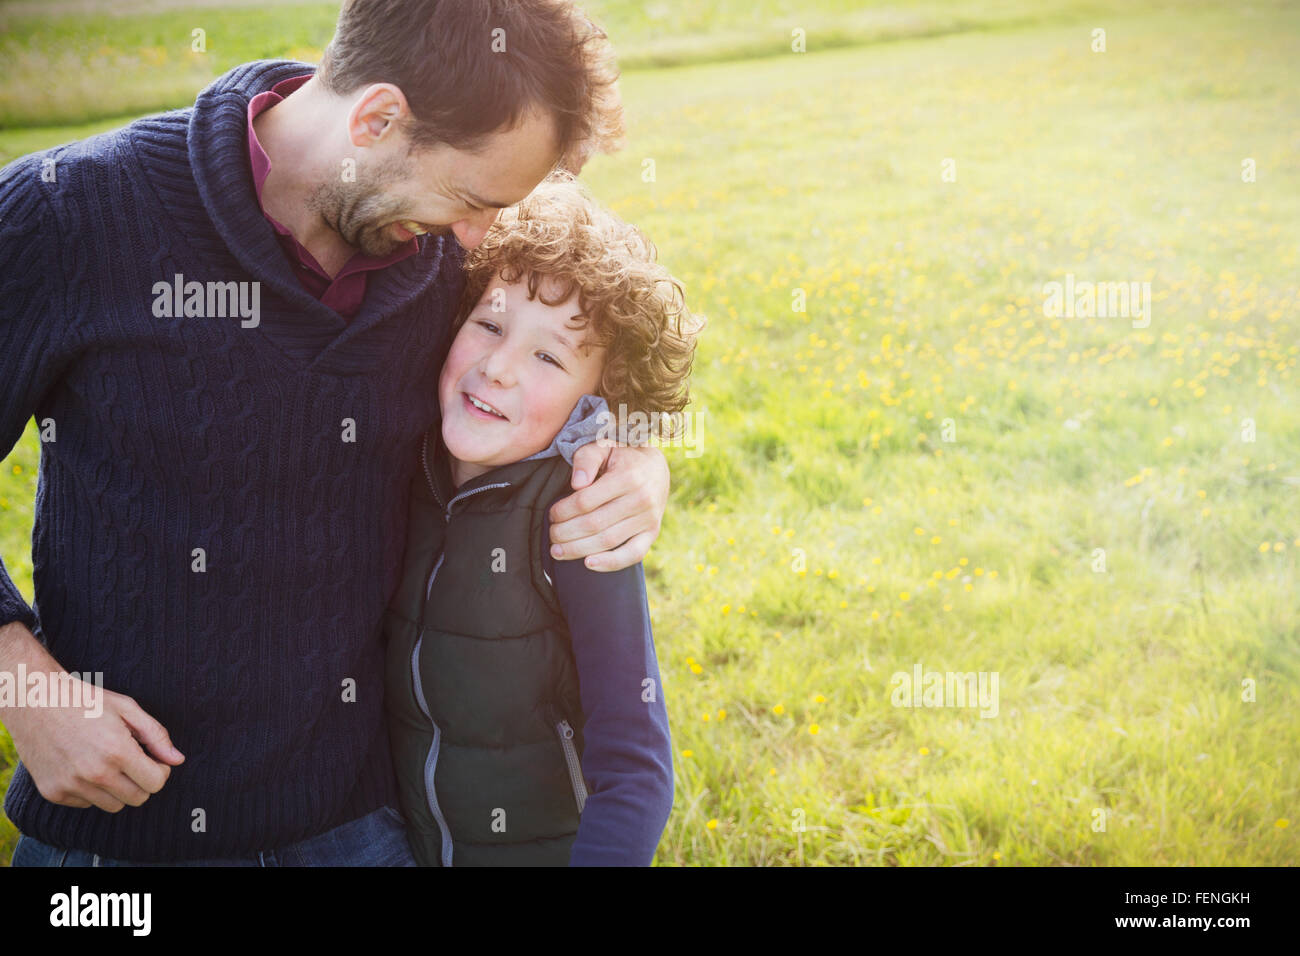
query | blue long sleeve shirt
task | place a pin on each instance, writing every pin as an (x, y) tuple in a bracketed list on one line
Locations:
[(627, 753)]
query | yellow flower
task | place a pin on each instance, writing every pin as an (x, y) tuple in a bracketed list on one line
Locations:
[(779, 709), (726, 609), (688, 753), (1263, 547), (1282, 823), (712, 824), (707, 717), (904, 596), (814, 729), (997, 855), (696, 668), (924, 751), (819, 699), (963, 562), (722, 714)]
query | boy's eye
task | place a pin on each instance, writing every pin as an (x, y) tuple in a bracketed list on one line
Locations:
[(487, 325), (551, 360)]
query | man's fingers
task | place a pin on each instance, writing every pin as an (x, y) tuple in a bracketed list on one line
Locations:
[(614, 497), (99, 797), (632, 551), (150, 733), (609, 486), (605, 540), (126, 790), (587, 462), (144, 773)]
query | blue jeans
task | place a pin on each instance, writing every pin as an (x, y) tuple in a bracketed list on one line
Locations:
[(377, 839)]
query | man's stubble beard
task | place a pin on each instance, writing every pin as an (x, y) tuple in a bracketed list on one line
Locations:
[(362, 213)]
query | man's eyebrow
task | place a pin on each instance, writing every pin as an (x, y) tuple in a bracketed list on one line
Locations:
[(480, 201)]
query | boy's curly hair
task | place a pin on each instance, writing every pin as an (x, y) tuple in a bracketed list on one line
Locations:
[(631, 304)]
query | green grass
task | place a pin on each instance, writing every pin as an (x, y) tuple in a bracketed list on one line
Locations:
[(127, 61), (1119, 691)]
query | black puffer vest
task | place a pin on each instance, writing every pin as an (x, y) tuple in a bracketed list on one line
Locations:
[(485, 717)]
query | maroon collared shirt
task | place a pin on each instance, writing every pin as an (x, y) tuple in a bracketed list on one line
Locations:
[(344, 292)]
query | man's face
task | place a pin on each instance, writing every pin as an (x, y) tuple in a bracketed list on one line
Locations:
[(400, 192), (513, 359)]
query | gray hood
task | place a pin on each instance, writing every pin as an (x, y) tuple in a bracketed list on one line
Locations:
[(588, 418)]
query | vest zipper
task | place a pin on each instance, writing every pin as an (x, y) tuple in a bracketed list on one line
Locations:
[(431, 761), (428, 473), (575, 767)]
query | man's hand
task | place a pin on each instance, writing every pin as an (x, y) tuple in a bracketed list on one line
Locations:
[(613, 521), (77, 758)]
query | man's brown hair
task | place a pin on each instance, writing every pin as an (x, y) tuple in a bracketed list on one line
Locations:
[(471, 67)]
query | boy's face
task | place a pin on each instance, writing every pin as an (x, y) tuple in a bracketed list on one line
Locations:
[(514, 361)]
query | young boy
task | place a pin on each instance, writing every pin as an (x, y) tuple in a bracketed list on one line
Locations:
[(525, 709)]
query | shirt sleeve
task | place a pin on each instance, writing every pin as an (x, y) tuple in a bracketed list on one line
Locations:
[(31, 320), (627, 750)]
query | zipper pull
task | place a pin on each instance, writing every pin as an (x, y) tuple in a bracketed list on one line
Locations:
[(566, 730)]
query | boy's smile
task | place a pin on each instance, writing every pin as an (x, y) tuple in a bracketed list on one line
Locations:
[(513, 377)]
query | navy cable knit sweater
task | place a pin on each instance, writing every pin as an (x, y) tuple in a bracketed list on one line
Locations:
[(282, 449)]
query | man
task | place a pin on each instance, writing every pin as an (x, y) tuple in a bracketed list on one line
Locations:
[(229, 322)]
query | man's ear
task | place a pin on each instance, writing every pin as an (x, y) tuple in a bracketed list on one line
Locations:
[(376, 113)]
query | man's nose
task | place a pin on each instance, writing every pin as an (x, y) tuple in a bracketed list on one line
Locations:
[(470, 232)]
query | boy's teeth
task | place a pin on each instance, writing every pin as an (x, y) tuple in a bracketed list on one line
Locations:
[(487, 408), (414, 227)]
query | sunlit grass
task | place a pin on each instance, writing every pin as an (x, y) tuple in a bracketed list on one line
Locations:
[(829, 535)]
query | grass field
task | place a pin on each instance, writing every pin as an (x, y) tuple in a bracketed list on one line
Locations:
[(923, 467)]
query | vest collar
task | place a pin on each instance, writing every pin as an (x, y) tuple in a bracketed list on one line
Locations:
[(589, 416)]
